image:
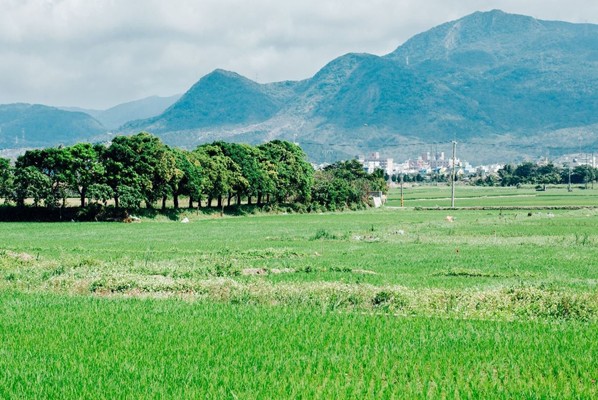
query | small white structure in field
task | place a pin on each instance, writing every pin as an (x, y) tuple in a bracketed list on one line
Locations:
[(449, 218), (185, 220), (378, 198)]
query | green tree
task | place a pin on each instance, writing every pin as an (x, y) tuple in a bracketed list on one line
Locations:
[(100, 193), (30, 182), (526, 172), (507, 175), (582, 174), (221, 172), (140, 163), (189, 179), (254, 168), (55, 164), (294, 176), (548, 174), (6, 179), (130, 197), (86, 168)]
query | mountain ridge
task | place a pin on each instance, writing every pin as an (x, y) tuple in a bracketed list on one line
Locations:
[(489, 77), (488, 74)]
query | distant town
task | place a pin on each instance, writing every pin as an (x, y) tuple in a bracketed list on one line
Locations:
[(434, 164)]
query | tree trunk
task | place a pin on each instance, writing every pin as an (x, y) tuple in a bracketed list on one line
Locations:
[(163, 203), (220, 201), (210, 201), (238, 198), (190, 202), (175, 201), (116, 201), (249, 200), (259, 199), (199, 202), (82, 198), (230, 196)]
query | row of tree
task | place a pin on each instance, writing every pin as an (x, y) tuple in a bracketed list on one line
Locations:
[(548, 174), (138, 169)]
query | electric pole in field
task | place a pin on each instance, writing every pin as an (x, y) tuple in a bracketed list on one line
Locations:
[(453, 175), (593, 170), (402, 201)]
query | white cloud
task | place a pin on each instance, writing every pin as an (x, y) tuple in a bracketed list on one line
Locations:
[(99, 53)]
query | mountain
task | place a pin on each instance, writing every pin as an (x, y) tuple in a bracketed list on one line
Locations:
[(504, 86), (524, 74), (34, 125), (221, 98), (148, 107), (496, 82), (119, 115)]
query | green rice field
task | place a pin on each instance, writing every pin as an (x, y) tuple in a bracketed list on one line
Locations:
[(387, 303), (472, 196)]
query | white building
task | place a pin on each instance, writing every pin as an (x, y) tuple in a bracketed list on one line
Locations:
[(374, 162)]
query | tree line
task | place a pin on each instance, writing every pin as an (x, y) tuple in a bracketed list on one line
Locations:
[(140, 170), (547, 174)]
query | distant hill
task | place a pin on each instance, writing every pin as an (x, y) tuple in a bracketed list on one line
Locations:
[(221, 98), (499, 83), (119, 115), (34, 125)]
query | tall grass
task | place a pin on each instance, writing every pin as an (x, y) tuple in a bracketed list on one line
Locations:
[(64, 347)]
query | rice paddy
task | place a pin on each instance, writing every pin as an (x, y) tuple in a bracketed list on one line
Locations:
[(388, 303)]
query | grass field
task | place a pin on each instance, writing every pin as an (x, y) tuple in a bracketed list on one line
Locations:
[(389, 303), (473, 196)]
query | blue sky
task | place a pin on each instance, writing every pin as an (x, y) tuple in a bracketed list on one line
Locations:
[(98, 53)]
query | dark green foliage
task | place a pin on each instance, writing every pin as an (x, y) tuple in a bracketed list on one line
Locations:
[(140, 169), (221, 172), (6, 179), (141, 163), (345, 184), (189, 179), (292, 174), (30, 183), (530, 173)]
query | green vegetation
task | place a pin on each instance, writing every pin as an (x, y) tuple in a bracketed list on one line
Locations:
[(369, 304), (140, 169), (63, 347), (480, 196)]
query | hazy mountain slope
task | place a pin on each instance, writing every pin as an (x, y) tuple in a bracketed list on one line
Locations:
[(120, 114), (27, 125), (145, 108)]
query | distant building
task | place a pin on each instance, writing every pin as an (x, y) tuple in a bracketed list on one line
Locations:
[(373, 162)]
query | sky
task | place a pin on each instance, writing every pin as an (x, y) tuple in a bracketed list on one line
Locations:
[(99, 53)]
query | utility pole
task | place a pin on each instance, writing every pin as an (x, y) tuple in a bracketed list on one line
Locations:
[(569, 184), (453, 175), (402, 202)]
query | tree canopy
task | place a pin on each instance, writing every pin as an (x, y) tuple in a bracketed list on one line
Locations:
[(141, 170)]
